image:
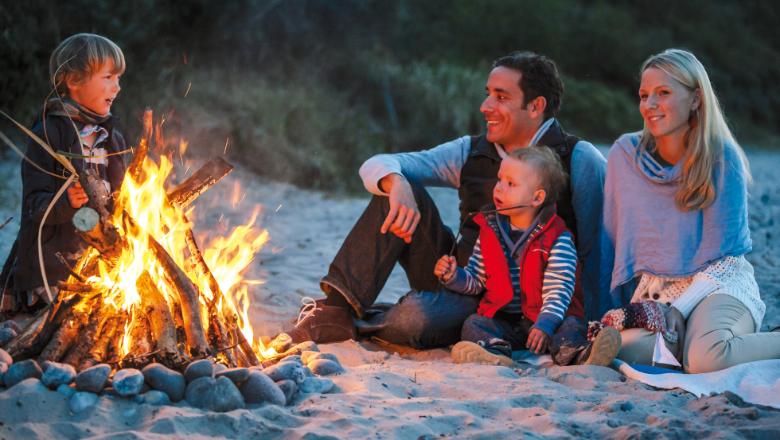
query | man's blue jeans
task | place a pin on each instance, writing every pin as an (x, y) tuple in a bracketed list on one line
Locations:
[(426, 317)]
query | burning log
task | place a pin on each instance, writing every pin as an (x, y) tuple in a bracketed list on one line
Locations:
[(39, 337), (135, 168), (189, 297), (200, 181), (100, 350), (161, 323)]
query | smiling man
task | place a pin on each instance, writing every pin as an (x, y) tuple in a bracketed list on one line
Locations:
[(402, 225)]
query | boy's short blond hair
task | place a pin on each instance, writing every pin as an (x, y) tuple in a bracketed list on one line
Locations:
[(81, 55), (547, 164)]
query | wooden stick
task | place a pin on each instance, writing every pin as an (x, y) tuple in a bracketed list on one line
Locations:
[(188, 296), (33, 346), (203, 179), (61, 341), (30, 331), (99, 351), (161, 324), (135, 168)]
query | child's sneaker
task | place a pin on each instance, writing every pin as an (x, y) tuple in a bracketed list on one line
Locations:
[(604, 348), (495, 352)]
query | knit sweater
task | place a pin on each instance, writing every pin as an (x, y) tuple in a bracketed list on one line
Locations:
[(731, 276)]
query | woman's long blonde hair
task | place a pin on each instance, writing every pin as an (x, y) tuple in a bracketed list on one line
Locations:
[(707, 133)]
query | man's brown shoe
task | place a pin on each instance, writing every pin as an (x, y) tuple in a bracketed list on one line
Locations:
[(322, 324)]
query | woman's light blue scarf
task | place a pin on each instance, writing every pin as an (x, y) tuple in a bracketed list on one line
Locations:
[(647, 231)]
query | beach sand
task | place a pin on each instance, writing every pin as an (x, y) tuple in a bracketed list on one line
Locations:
[(415, 395)]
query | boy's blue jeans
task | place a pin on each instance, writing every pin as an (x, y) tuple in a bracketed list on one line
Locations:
[(567, 345), (426, 317)]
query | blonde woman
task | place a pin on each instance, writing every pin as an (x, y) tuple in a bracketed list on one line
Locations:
[(675, 213)]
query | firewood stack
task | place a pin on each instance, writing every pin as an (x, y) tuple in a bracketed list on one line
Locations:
[(174, 324)]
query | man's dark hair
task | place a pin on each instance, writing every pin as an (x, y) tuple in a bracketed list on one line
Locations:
[(538, 77)]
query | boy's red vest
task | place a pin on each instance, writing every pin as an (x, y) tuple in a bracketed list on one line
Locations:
[(533, 263)]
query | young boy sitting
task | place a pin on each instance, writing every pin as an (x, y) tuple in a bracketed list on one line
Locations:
[(85, 71), (525, 264)]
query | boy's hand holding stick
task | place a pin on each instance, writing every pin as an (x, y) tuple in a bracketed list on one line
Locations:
[(445, 268)]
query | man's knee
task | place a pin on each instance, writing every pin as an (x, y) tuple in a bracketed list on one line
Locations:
[(426, 320)]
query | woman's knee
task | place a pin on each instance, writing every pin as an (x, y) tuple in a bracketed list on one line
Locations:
[(703, 356)]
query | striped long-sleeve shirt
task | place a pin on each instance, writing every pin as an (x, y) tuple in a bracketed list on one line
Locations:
[(557, 287)]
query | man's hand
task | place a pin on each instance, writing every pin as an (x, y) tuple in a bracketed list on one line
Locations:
[(445, 268), (404, 216), (537, 341), (76, 195)]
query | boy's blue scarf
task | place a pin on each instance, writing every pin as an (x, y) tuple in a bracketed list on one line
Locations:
[(650, 234)]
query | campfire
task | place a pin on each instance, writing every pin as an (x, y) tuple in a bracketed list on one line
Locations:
[(144, 291)]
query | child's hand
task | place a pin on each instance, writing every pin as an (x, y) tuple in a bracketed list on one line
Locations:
[(76, 195), (537, 341), (445, 268)]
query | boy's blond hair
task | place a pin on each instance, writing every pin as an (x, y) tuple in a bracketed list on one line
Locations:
[(81, 55), (547, 164)]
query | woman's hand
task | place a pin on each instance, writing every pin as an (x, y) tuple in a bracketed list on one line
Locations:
[(537, 341), (445, 268), (76, 195)]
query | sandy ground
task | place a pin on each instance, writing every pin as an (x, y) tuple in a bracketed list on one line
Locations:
[(422, 395)]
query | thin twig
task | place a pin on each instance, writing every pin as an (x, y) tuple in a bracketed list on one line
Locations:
[(6, 222), (68, 266)]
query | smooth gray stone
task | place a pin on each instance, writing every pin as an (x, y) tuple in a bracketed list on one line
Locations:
[(286, 371), (128, 382), (56, 374), (6, 335), (10, 323), (82, 400), (155, 397), (6, 358), (66, 390), (3, 370), (325, 367), (219, 368), (21, 371), (295, 358), (201, 368), (289, 388), (307, 346), (237, 375), (319, 385), (162, 378), (218, 395), (93, 379), (317, 355), (259, 388)]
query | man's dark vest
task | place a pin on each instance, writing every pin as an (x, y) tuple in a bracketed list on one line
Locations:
[(480, 174)]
